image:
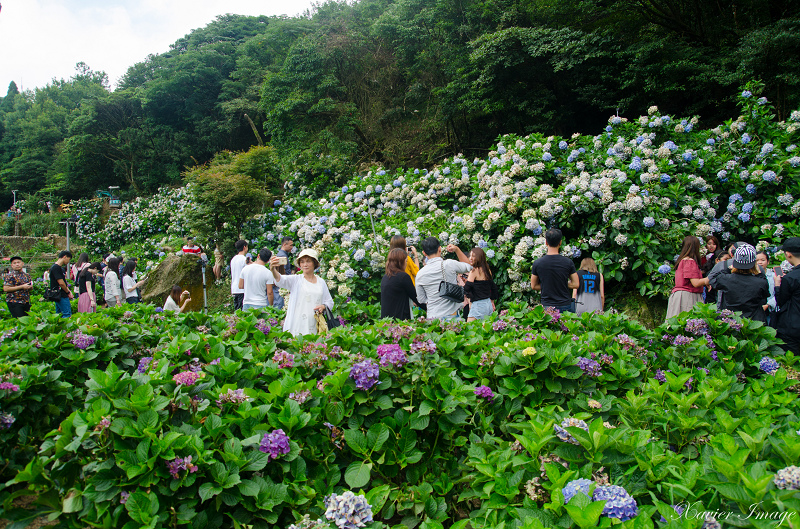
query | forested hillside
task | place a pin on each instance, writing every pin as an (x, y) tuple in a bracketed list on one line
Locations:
[(403, 82)]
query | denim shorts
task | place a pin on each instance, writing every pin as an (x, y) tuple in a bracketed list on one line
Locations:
[(480, 309)]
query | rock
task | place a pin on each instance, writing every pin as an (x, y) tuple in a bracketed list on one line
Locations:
[(185, 271)]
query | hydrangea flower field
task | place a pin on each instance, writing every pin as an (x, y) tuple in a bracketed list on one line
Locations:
[(532, 419), (626, 196)]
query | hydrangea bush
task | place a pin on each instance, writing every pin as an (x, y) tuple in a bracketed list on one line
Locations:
[(168, 420), (626, 197)]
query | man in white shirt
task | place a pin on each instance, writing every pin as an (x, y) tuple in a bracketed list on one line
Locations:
[(433, 273), (257, 281), (237, 265)]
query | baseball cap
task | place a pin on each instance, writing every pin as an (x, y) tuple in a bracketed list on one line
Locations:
[(745, 257)]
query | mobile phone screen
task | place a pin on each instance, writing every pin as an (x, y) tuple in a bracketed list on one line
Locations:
[(778, 271)]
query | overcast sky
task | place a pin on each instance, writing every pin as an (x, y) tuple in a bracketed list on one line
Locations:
[(44, 39)]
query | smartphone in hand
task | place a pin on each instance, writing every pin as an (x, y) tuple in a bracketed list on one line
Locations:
[(282, 261), (778, 271)]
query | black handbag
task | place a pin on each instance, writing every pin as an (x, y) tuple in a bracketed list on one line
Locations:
[(450, 291), (52, 294), (330, 319)]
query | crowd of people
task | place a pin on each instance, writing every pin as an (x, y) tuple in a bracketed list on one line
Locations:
[(737, 278)]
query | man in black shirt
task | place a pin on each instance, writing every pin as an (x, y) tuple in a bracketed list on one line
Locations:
[(555, 275), (58, 279), (787, 297)]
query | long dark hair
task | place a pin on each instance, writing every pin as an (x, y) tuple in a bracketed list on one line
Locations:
[(113, 265), (398, 241), (175, 294), (130, 266), (690, 248), (85, 271), (480, 262), (82, 259), (396, 262)]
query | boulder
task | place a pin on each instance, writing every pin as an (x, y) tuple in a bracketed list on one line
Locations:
[(185, 271)]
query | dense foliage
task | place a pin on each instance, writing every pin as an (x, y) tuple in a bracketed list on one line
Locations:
[(163, 420), (399, 82)]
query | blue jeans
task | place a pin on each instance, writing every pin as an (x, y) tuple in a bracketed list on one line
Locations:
[(277, 299), (63, 307)]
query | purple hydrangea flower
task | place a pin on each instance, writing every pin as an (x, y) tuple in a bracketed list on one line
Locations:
[(787, 478), (660, 376), (284, 359), (682, 340), (300, 396), (619, 504), (769, 365), (144, 364), (81, 340), (232, 396), (275, 443), (263, 326), (419, 346), (178, 465), (186, 378), (365, 374), (484, 392), (392, 354), (589, 367), (10, 387), (571, 489), (123, 496), (697, 326), (6, 420)]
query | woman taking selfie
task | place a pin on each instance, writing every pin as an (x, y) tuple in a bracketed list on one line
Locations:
[(309, 293)]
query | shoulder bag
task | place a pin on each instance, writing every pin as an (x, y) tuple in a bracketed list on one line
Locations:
[(330, 319), (53, 293), (450, 291)]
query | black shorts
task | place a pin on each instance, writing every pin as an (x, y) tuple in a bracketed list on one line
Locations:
[(19, 310), (238, 301)]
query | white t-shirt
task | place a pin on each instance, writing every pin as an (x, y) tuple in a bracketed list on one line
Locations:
[(237, 264), (171, 305), (427, 282), (129, 282), (111, 286), (256, 278)]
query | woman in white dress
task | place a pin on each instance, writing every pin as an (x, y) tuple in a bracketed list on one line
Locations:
[(310, 293)]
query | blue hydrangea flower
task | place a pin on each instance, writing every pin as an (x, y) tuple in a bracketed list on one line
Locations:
[(563, 145), (769, 176), (745, 138), (665, 178), (609, 128), (664, 269), (688, 157), (744, 217), (446, 170), (347, 510), (483, 244), (736, 197), (649, 222), (750, 188), (398, 183), (747, 207), (564, 435), (501, 150), (583, 485), (365, 374), (636, 164), (746, 94), (345, 189), (365, 274), (379, 189), (619, 504), (557, 171), (768, 365), (276, 203), (546, 157), (490, 253), (381, 172)]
